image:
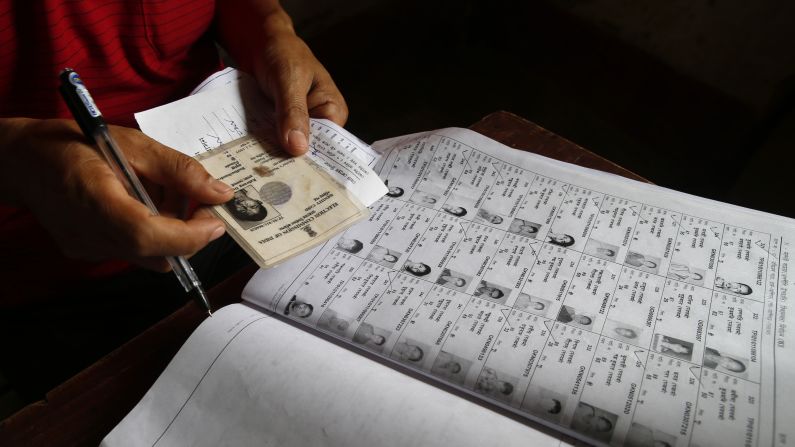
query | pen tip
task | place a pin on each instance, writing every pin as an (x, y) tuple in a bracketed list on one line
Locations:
[(201, 295)]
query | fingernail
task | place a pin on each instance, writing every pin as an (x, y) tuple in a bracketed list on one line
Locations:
[(297, 141), (220, 187), (217, 233)]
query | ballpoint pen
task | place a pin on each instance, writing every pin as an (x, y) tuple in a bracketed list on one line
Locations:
[(88, 116)]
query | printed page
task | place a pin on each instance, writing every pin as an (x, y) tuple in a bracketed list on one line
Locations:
[(228, 106), (621, 312), (282, 205), (246, 379)]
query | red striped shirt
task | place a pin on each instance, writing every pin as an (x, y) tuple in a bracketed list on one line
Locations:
[(133, 55)]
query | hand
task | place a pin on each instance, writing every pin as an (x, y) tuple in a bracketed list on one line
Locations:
[(260, 36), (300, 88), (50, 169)]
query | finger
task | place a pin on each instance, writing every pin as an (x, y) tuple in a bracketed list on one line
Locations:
[(175, 170), (326, 101), (288, 89), (330, 111), (137, 233), (156, 192), (203, 213), (174, 204), (165, 236)]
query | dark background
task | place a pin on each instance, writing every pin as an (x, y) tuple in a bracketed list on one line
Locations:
[(695, 96)]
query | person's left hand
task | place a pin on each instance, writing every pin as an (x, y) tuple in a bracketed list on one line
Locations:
[(300, 87), (260, 37)]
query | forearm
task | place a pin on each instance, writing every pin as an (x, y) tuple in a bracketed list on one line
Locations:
[(244, 26)]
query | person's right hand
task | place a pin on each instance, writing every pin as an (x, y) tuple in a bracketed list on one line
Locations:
[(50, 168)]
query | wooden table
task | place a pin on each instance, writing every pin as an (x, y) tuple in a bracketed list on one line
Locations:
[(86, 407)]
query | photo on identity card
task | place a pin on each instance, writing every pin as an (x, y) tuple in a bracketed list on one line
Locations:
[(248, 209)]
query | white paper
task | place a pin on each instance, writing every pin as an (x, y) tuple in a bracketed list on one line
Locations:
[(228, 106), (246, 379), (621, 312), (220, 78)]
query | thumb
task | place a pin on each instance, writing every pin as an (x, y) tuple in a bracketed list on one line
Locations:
[(289, 92), (167, 167)]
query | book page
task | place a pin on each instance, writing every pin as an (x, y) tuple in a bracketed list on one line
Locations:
[(246, 379), (621, 312)]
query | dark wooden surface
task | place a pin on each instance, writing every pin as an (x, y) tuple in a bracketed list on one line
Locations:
[(517, 132), (86, 407)]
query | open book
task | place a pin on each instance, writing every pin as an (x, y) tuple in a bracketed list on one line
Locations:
[(615, 312)]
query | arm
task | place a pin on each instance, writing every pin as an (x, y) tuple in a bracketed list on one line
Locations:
[(259, 35)]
